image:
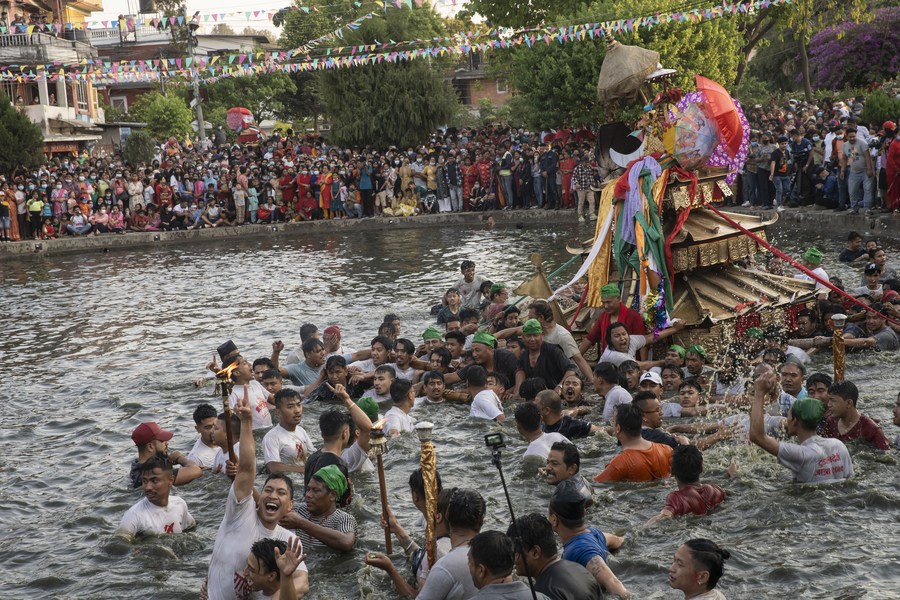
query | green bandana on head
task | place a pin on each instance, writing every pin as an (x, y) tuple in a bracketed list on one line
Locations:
[(698, 350), (610, 290), (813, 256), (679, 349), (532, 327), (333, 478), (755, 333), (432, 333), (368, 406), (497, 287), (808, 409), (483, 337)]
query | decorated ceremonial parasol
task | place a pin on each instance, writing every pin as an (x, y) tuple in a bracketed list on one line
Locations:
[(238, 118), (693, 137), (721, 107), (624, 70)]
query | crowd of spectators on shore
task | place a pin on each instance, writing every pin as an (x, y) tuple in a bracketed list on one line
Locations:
[(299, 178), (824, 154)]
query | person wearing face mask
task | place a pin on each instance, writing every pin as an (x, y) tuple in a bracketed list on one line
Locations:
[(367, 188)]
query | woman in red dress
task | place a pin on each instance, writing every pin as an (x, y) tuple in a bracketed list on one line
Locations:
[(566, 168), (470, 176)]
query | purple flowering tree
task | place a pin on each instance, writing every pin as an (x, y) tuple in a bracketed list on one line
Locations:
[(857, 54)]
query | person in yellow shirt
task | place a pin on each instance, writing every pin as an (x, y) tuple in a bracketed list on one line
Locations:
[(35, 207)]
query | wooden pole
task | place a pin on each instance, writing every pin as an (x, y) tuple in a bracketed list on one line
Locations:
[(382, 485), (225, 386)]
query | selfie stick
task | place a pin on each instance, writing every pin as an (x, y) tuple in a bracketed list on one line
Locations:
[(495, 458)]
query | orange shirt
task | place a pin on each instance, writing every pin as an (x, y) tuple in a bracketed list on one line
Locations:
[(639, 465)]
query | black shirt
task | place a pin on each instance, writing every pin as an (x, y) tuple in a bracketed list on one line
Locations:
[(658, 436), (570, 427), (567, 580), (551, 366), (504, 362), (848, 255)]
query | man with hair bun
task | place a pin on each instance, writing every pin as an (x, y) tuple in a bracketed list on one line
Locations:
[(696, 569)]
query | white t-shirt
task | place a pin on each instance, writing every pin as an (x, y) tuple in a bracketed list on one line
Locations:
[(541, 446), (486, 405), (146, 517), (203, 455), (408, 374), (288, 447), (380, 399), (222, 458), (816, 460), (259, 397), (397, 420), (357, 460), (366, 366), (450, 578), (818, 271), (562, 338), (239, 530), (635, 343), (615, 396)]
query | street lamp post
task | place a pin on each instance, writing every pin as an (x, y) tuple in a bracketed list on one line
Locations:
[(198, 105)]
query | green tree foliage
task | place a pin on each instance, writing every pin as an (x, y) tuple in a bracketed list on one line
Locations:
[(881, 107), (179, 33), (515, 13), (20, 139), (261, 94), (556, 84), (139, 148), (389, 103), (164, 115)]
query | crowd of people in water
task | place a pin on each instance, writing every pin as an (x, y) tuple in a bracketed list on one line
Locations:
[(505, 361)]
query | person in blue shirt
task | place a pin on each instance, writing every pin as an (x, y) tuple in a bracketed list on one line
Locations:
[(826, 186), (801, 152)]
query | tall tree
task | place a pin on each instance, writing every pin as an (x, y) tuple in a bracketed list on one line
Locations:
[(20, 139), (178, 32), (389, 103), (164, 115)]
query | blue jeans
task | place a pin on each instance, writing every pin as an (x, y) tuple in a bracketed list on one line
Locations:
[(782, 188), (859, 187), (73, 230), (538, 182), (456, 204), (750, 188), (507, 182)]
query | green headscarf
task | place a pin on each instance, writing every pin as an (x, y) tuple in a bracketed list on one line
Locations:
[(483, 337), (333, 478), (497, 287), (432, 333), (368, 406), (532, 327), (808, 409), (813, 256), (698, 350), (679, 349), (755, 333), (610, 290)]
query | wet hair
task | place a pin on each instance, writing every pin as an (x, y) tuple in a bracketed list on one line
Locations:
[(625, 368), (157, 461), (203, 412), (643, 397), (390, 318), (459, 336), (263, 360), (542, 309), (818, 378), (271, 374), (335, 361), (550, 400), (235, 424), (515, 340), (331, 423), (283, 477), (400, 390), (476, 376), (534, 530), (486, 286), (528, 416), (846, 390), (465, 509), (692, 383), (417, 483), (467, 314), (569, 452), (501, 379), (531, 387), (405, 345), (708, 554), (431, 375), (607, 372), (285, 393), (307, 330), (311, 345), (630, 419), (264, 551), (494, 551), (853, 235), (612, 327), (673, 369), (383, 340), (466, 264), (386, 370), (443, 354), (790, 360), (778, 353), (451, 319), (386, 330), (687, 463)]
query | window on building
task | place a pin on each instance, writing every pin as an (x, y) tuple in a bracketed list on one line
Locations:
[(502, 86), (119, 103), (463, 91), (81, 93)]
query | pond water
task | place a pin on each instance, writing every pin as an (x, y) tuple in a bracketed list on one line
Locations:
[(94, 344)]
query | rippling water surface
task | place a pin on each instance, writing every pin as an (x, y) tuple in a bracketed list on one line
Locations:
[(93, 345)]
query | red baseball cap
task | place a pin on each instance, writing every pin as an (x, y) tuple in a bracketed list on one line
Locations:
[(332, 330), (147, 432), (889, 125)]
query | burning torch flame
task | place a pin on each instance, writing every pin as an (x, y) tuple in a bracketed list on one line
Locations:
[(226, 372), (379, 424)]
